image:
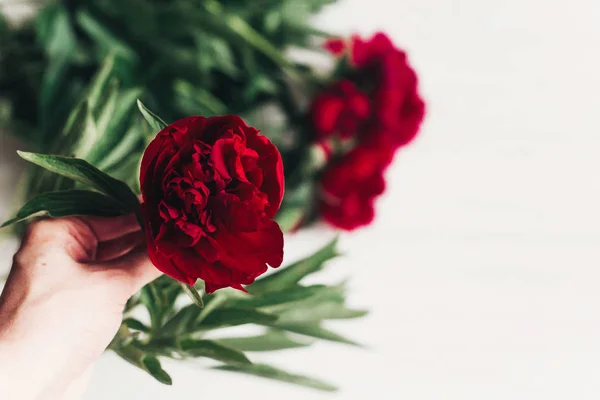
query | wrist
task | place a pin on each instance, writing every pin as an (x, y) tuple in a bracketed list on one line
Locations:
[(25, 369), (20, 377)]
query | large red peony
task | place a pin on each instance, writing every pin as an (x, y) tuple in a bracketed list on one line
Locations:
[(210, 188)]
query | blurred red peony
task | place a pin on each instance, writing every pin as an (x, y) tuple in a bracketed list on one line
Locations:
[(341, 109), (379, 77), (377, 105), (350, 186), (210, 188)]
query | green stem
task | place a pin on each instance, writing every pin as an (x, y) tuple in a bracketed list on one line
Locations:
[(236, 24)]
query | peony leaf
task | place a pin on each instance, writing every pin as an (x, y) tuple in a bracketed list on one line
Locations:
[(155, 122), (152, 365), (124, 149), (279, 298), (294, 273), (196, 100), (105, 111), (270, 341), (137, 357), (294, 207), (318, 294), (84, 133), (110, 149), (316, 331), (59, 41), (324, 302), (151, 297), (214, 350), (233, 316), (56, 32), (104, 37), (317, 311), (83, 172), (101, 82), (133, 323), (69, 203), (181, 322), (267, 371), (193, 294)]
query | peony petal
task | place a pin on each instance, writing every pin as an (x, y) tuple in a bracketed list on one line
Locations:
[(335, 46), (326, 111)]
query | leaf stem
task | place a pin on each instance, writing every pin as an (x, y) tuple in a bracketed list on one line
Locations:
[(237, 25)]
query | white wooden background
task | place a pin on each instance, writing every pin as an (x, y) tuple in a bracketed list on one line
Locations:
[(482, 270)]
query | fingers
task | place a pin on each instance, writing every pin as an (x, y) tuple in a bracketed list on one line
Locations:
[(116, 248), (70, 235), (111, 228)]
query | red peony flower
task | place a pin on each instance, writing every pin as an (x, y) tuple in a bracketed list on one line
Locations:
[(350, 186), (342, 109), (382, 73), (210, 188)]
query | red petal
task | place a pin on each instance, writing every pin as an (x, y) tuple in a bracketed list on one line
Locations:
[(335, 46)]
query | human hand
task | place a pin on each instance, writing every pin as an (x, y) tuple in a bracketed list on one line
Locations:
[(63, 301)]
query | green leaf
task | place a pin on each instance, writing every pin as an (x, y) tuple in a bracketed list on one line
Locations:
[(322, 302), (104, 36), (86, 134), (181, 322), (193, 294), (279, 298), (316, 331), (315, 311), (52, 89), (245, 31), (114, 144), (196, 100), (294, 273), (258, 85), (138, 357), (55, 31), (215, 52), (188, 318), (295, 206), (214, 350), (123, 149), (152, 365), (151, 297), (136, 325), (155, 122), (105, 111), (83, 172), (270, 341), (232, 316), (100, 82), (267, 371), (69, 203), (128, 171), (215, 301)]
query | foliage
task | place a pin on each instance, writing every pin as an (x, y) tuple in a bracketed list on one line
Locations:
[(70, 83)]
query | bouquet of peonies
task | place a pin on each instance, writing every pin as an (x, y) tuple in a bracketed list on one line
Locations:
[(212, 186)]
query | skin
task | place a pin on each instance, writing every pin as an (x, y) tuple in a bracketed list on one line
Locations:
[(62, 303)]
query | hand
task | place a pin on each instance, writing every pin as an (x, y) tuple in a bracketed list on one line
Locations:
[(63, 301)]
